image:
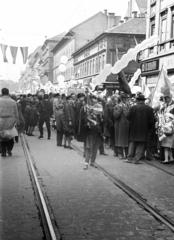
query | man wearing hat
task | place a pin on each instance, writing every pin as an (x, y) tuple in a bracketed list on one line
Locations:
[(141, 122)]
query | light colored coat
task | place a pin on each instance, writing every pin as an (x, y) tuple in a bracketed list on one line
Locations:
[(8, 113)]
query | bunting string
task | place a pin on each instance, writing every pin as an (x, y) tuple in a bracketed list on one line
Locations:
[(14, 51)]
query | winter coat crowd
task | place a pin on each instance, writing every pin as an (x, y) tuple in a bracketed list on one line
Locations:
[(126, 124)]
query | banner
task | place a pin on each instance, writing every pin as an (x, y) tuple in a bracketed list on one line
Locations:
[(4, 49), (24, 51), (14, 51), (163, 88)]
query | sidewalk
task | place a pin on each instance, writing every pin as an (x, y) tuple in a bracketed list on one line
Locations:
[(18, 213), (153, 184)]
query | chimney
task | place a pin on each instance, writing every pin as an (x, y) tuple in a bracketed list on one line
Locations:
[(113, 20), (126, 19), (121, 22), (106, 12), (135, 14)]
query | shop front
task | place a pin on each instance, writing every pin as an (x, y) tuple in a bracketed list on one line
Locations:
[(150, 70)]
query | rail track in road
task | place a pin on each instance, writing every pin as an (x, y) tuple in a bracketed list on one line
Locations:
[(48, 222), (133, 195), (160, 168)]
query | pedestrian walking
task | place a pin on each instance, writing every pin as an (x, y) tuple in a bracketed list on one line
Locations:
[(8, 120)]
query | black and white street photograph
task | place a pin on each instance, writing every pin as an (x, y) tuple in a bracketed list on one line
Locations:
[(87, 120)]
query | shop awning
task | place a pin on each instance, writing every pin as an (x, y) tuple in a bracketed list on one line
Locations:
[(131, 55)]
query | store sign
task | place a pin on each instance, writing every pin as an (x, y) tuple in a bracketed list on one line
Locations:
[(150, 66)]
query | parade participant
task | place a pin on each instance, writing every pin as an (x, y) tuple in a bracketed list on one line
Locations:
[(141, 122), (69, 122), (120, 114), (27, 114), (94, 130), (33, 118), (166, 136), (80, 119), (116, 115), (45, 110), (8, 119), (169, 102), (59, 117), (109, 121)]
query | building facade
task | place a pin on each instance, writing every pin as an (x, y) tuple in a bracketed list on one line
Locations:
[(75, 39), (46, 59), (30, 79), (107, 48), (160, 23)]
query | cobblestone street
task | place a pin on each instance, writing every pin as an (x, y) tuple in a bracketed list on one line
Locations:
[(86, 204)]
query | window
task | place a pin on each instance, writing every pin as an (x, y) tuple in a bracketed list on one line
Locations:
[(93, 66), (99, 64), (163, 31), (153, 9), (90, 67), (172, 25), (103, 61), (96, 65), (87, 68), (152, 26)]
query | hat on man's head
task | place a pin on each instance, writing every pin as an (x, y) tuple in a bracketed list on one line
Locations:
[(80, 95), (140, 97)]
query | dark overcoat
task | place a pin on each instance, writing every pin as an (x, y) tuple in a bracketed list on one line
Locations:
[(141, 122), (121, 125)]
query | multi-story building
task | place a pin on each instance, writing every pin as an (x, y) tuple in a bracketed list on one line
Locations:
[(160, 23), (46, 61), (76, 38), (107, 47), (30, 77)]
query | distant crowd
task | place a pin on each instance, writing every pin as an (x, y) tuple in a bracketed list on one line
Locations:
[(127, 124)]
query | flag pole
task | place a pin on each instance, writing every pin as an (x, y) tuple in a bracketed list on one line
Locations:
[(157, 83)]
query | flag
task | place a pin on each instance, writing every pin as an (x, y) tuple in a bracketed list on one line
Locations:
[(14, 53), (24, 51), (163, 87), (145, 89), (124, 86), (4, 49)]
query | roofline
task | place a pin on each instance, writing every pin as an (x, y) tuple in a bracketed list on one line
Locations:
[(65, 37), (87, 20), (74, 28), (102, 35)]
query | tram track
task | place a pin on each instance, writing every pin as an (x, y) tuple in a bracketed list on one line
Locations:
[(133, 195), (47, 223), (160, 168)]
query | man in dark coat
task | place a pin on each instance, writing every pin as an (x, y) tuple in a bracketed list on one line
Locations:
[(141, 122), (45, 109)]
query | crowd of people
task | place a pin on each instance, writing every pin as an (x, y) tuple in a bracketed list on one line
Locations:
[(126, 123)]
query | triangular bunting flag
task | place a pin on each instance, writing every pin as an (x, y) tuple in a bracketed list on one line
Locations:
[(4, 49), (24, 51), (14, 53)]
